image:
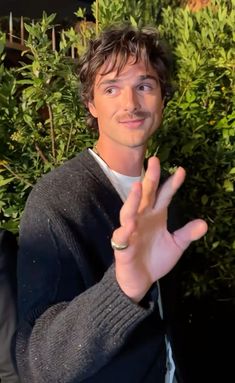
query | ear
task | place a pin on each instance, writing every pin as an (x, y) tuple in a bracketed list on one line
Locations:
[(92, 108)]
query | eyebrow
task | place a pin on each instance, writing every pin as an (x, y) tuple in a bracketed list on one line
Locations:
[(149, 77), (140, 78)]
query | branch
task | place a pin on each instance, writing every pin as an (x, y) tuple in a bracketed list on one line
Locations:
[(52, 132), (41, 154), (16, 175)]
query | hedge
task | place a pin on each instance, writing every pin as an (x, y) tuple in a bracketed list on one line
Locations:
[(42, 122)]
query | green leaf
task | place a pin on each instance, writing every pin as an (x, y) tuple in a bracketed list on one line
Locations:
[(215, 245), (81, 12), (6, 181), (228, 186), (28, 119), (204, 199), (190, 97), (133, 21), (232, 171)]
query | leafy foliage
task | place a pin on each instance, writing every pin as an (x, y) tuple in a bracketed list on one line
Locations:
[(199, 133), (42, 121), (138, 12)]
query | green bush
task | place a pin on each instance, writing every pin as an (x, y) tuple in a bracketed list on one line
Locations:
[(199, 133), (42, 122), (140, 12)]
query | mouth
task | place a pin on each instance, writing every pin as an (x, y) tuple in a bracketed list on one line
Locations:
[(133, 123)]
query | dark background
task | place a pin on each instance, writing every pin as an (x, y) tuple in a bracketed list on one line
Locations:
[(34, 8)]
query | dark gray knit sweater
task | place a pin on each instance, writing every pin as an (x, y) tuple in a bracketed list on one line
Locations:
[(76, 325)]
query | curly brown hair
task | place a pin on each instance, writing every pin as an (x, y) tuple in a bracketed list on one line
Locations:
[(116, 45)]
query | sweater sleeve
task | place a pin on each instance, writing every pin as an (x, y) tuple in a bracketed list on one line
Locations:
[(61, 339)]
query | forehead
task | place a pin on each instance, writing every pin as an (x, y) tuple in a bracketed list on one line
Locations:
[(115, 69)]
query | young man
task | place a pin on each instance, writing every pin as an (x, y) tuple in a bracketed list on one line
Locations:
[(94, 238)]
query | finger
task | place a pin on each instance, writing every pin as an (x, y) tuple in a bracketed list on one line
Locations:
[(128, 215), (192, 231), (169, 188), (130, 208), (150, 184), (121, 236)]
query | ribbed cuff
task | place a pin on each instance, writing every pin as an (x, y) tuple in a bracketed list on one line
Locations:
[(115, 310)]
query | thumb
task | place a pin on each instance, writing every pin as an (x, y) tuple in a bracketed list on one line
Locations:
[(192, 231)]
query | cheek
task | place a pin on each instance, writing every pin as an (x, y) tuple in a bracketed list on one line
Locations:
[(156, 112), (154, 103), (159, 106), (103, 108)]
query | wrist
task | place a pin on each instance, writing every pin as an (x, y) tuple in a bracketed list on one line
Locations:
[(135, 291)]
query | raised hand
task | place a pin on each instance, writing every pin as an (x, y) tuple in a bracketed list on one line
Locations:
[(152, 251)]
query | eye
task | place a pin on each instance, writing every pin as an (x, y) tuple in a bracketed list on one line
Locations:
[(111, 90), (145, 87)]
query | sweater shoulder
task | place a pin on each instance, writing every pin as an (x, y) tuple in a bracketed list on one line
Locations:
[(74, 166), (69, 178)]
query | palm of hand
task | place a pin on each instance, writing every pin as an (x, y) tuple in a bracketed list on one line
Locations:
[(152, 250)]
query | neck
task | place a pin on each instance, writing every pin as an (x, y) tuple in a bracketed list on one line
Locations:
[(124, 160)]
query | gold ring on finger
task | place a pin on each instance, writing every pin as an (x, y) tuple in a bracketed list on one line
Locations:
[(118, 246)]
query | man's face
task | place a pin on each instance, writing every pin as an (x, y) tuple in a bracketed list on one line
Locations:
[(128, 106)]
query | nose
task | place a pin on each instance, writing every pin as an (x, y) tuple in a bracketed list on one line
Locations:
[(130, 100)]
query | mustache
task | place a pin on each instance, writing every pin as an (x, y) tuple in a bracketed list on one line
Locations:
[(138, 115)]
